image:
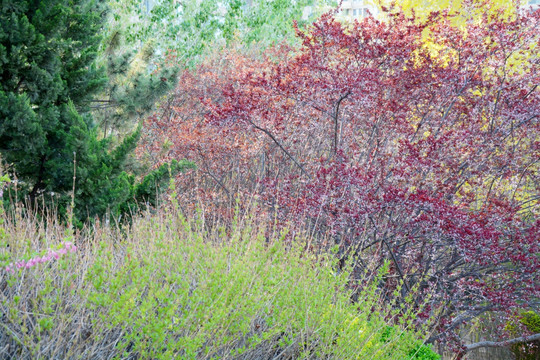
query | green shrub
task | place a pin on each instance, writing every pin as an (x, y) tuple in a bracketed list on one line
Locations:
[(417, 349), (167, 287), (423, 352), (531, 350)]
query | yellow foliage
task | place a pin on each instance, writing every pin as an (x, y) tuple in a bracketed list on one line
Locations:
[(422, 8)]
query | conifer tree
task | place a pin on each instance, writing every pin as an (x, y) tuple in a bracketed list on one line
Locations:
[(49, 80)]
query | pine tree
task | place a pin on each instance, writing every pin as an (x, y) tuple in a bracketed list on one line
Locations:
[(48, 82)]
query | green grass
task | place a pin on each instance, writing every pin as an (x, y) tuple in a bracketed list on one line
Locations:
[(171, 288)]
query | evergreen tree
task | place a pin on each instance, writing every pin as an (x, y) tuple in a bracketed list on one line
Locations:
[(48, 82)]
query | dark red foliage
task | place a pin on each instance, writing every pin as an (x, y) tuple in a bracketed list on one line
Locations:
[(413, 142)]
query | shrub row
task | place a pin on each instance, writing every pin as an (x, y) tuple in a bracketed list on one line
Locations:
[(167, 287)]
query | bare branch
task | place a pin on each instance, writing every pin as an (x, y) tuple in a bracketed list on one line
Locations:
[(336, 119), (267, 132), (518, 340)]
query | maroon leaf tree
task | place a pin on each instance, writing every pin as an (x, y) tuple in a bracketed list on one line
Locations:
[(407, 141)]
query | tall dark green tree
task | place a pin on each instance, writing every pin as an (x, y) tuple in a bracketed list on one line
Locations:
[(48, 81)]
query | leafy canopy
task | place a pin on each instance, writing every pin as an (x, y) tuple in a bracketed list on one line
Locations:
[(188, 29)]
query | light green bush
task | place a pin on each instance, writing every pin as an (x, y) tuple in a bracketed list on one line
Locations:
[(531, 350), (170, 288)]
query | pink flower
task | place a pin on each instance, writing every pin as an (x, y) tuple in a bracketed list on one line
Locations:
[(67, 246)]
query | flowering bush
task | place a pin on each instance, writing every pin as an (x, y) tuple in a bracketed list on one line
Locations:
[(52, 254)]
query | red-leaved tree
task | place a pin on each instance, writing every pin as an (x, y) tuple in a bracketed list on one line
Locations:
[(400, 140)]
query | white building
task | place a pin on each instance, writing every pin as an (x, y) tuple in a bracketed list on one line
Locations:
[(357, 9)]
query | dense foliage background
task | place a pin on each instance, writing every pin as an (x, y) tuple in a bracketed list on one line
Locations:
[(391, 160)]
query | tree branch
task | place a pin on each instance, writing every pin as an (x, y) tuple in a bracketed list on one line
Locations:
[(518, 340), (280, 146), (336, 119)]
